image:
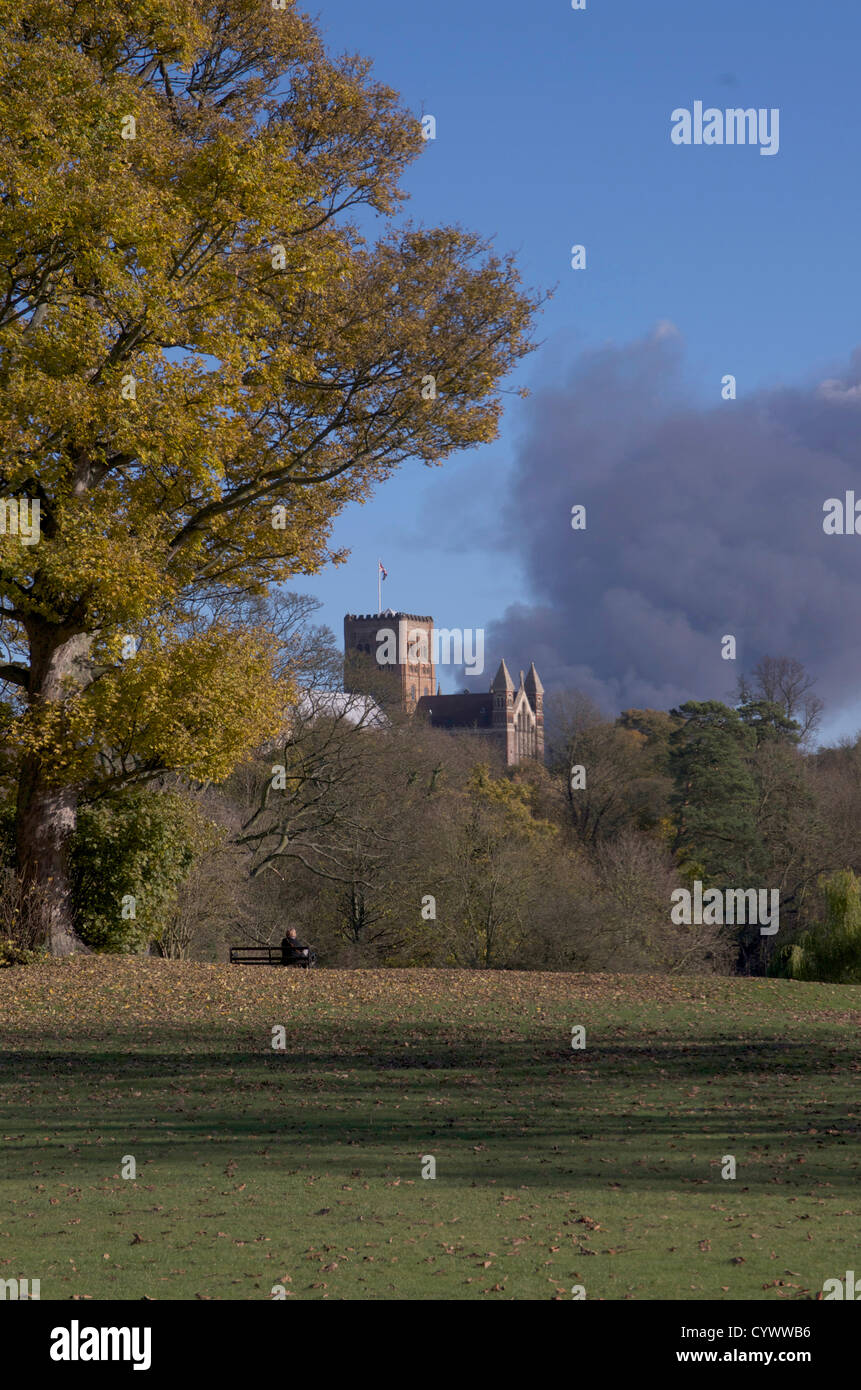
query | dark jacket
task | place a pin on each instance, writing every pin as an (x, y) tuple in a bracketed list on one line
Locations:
[(291, 946)]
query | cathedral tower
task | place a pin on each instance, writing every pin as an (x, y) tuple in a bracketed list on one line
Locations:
[(390, 656)]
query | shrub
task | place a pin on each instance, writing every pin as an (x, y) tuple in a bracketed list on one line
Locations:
[(22, 921), (131, 854), (831, 950)]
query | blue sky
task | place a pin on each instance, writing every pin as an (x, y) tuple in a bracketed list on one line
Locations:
[(553, 127)]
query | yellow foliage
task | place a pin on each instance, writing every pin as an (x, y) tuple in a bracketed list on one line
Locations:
[(167, 380)]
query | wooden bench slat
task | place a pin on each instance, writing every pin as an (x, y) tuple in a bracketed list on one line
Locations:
[(259, 955)]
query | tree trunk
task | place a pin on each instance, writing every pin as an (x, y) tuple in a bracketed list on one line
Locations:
[(45, 825), (46, 814)]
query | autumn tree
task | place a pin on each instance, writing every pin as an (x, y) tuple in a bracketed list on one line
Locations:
[(612, 775), (498, 858), (346, 806), (204, 355), (784, 681), (836, 777)]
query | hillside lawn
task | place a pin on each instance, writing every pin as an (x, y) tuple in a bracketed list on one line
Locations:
[(302, 1168)]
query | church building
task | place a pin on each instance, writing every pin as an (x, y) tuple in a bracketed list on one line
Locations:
[(511, 716)]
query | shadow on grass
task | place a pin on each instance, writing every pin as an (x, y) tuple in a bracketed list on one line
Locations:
[(512, 1109)]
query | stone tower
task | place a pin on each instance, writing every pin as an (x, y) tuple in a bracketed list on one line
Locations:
[(390, 655), (502, 690)]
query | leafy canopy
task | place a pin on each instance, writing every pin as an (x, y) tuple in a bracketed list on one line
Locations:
[(194, 331)]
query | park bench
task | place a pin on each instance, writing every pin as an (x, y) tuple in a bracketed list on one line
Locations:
[(304, 956)]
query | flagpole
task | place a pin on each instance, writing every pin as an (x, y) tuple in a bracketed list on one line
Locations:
[(379, 587)]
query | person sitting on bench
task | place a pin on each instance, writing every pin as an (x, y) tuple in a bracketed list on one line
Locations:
[(291, 947)]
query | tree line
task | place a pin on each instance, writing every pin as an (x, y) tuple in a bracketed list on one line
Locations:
[(393, 843)]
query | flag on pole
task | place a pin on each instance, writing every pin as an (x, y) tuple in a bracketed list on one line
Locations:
[(384, 574)]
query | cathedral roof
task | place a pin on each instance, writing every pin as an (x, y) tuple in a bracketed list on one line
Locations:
[(465, 711)]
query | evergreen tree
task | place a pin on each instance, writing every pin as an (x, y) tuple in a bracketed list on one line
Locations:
[(714, 794)]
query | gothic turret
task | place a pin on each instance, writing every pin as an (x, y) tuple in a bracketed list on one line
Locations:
[(502, 680), (535, 695)]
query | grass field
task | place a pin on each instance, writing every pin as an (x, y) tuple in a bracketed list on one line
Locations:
[(302, 1168)]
